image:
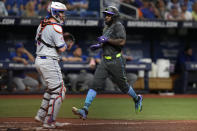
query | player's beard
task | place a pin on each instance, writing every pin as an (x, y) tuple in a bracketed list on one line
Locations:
[(109, 22)]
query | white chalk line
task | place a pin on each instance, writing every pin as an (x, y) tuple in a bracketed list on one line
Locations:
[(108, 123)]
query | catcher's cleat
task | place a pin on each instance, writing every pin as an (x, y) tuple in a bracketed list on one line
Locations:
[(54, 125), (38, 119), (82, 113), (138, 104), (49, 125)]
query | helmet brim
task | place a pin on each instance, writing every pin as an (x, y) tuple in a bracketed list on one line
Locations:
[(108, 12), (62, 10)]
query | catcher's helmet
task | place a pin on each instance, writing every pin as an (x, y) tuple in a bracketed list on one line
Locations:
[(54, 10), (112, 10)]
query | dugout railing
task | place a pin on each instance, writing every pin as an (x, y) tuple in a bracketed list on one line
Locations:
[(70, 66)]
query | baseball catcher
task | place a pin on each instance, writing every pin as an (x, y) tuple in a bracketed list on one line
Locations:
[(50, 43)]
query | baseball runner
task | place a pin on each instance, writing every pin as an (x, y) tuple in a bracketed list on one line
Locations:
[(112, 63), (50, 43)]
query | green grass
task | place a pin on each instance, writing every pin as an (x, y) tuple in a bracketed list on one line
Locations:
[(110, 108)]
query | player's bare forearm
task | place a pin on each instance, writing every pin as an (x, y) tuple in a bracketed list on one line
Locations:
[(30, 56), (74, 59), (117, 42), (18, 59)]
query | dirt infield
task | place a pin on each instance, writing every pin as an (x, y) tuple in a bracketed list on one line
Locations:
[(28, 124)]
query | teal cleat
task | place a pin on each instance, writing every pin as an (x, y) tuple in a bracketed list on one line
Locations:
[(138, 104), (82, 113)]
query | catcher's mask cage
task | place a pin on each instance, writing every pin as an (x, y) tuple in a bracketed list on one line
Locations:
[(55, 8), (112, 10)]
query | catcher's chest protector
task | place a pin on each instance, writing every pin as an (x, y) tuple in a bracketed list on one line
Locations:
[(43, 24)]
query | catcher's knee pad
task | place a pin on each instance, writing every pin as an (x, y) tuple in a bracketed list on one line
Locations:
[(59, 90)]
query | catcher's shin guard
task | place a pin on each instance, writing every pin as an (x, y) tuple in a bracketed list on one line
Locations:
[(57, 97), (44, 106)]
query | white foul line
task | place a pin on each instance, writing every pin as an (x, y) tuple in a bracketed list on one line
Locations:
[(108, 123)]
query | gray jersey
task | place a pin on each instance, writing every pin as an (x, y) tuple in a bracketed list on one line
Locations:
[(115, 31), (52, 35)]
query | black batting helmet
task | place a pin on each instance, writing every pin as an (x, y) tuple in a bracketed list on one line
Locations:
[(112, 10)]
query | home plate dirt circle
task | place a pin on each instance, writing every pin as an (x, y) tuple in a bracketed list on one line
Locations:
[(28, 124)]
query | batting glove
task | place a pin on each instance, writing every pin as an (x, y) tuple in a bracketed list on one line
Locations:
[(102, 39), (95, 46)]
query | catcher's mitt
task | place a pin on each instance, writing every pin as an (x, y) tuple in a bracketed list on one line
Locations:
[(69, 37)]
